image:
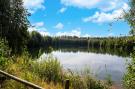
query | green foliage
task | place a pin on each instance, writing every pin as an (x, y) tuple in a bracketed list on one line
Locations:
[(129, 78), (4, 53), (20, 68), (37, 40), (130, 16), (14, 24)]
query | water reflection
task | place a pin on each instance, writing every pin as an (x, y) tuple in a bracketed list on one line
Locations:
[(100, 64), (37, 52)]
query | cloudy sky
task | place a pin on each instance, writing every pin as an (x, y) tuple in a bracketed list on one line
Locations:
[(78, 17)]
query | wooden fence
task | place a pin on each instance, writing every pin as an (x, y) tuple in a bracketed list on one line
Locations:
[(28, 83)]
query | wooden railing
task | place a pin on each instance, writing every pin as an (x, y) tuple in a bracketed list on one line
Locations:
[(20, 80), (28, 83)]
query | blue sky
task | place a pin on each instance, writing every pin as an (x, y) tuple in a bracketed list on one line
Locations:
[(80, 18)]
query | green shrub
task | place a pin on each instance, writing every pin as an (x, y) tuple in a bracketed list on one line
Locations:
[(129, 78), (4, 54)]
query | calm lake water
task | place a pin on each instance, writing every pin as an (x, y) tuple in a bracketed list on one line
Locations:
[(101, 65)]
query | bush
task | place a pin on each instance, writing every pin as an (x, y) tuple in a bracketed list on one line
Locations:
[(129, 78), (4, 54)]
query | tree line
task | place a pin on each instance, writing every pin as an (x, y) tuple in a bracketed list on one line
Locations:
[(124, 43)]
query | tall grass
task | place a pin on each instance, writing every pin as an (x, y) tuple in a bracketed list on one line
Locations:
[(27, 70), (85, 80), (48, 73), (48, 69)]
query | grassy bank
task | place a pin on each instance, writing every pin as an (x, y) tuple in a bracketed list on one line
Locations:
[(47, 73)]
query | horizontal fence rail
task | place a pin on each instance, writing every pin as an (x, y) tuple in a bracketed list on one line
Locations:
[(20, 80)]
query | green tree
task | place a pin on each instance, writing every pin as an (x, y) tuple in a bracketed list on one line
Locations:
[(36, 40), (4, 53), (130, 17), (14, 24)]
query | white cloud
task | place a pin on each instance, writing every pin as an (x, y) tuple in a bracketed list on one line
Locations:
[(80, 3), (43, 31), (39, 24), (62, 10), (110, 5), (74, 32), (104, 5), (100, 17), (34, 5), (39, 27), (59, 26), (86, 35)]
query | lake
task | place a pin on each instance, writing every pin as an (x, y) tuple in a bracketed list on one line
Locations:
[(100, 64)]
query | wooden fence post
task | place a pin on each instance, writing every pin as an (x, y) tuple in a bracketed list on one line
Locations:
[(67, 84)]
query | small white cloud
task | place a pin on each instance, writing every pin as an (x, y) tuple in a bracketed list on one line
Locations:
[(39, 27), (59, 26), (43, 31), (30, 29), (39, 24), (111, 34), (86, 35), (80, 3), (62, 10), (100, 17), (34, 5)]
